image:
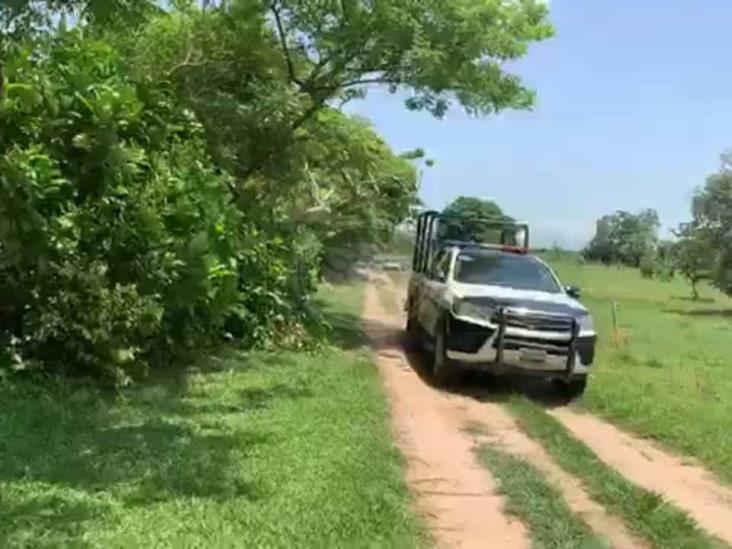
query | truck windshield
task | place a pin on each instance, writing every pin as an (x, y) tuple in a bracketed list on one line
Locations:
[(510, 271)]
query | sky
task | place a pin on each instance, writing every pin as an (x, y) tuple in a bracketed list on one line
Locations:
[(634, 108)]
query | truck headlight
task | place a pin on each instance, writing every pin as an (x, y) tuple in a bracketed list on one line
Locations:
[(462, 307), (586, 324)]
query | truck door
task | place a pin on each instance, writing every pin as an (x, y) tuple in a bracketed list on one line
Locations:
[(432, 296)]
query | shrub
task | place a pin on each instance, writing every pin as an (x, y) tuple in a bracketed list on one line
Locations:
[(648, 265), (119, 243)]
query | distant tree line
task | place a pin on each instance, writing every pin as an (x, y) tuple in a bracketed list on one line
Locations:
[(701, 249), (624, 237)]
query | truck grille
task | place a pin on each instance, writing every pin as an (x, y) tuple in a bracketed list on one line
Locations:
[(536, 322), (514, 343)]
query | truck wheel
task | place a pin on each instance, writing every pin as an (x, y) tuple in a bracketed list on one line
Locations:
[(574, 388), (412, 339), (445, 372)]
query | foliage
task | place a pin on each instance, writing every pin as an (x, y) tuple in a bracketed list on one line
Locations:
[(712, 224), (299, 58), (694, 255), (624, 237), (666, 260), (118, 241), (471, 208), (444, 52), (173, 177), (647, 264)]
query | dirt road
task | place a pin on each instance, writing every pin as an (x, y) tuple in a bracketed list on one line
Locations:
[(458, 497), (688, 486)]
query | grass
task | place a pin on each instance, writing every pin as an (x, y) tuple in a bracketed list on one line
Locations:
[(645, 513), (538, 504), (248, 450), (672, 380)]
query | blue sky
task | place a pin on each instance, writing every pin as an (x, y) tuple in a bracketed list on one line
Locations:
[(634, 108)]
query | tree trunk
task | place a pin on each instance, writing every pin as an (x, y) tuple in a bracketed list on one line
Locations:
[(694, 291)]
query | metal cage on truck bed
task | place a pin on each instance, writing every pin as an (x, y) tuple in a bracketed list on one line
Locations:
[(430, 236)]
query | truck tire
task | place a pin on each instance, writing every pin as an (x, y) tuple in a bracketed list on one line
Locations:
[(574, 388), (412, 330), (445, 372)]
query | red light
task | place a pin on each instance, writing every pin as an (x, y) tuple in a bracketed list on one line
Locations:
[(514, 249)]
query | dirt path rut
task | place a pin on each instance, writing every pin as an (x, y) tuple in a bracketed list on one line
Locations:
[(689, 487), (456, 494)]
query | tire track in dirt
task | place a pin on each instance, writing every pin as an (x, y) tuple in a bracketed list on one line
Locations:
[(457, 494), (689, 487), (503, 432), (452, 491)]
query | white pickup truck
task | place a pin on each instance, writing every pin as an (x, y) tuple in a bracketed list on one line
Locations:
[(497, 308)]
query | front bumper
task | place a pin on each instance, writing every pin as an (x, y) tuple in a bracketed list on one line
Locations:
[(500, 346)]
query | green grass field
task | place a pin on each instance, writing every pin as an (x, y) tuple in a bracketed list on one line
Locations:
[(248, 450), (672, 381)]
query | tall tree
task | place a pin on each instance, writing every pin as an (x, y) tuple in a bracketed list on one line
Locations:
[(712, 211), (624, 237), (437, 53), (694, 256)]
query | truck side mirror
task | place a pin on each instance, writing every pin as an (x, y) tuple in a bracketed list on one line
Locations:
[(573, 291)]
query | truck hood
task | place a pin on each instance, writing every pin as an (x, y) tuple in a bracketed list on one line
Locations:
[(500, 296)]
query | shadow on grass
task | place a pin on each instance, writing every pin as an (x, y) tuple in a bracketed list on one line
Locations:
[(719, 313), (69, 456), (692, 300), (347, 330)]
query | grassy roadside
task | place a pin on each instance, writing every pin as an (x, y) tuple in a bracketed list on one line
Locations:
[(251, 450), (537, 503), (671, 381), (646, 513)]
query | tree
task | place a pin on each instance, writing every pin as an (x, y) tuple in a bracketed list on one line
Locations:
[(468, 207), (439, 53), (647, 264), (600, 247), (712, 216), (694, 256), (180, 173), (624, 237), (665, 260)]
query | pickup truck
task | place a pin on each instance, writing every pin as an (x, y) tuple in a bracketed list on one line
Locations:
[(498, 308)]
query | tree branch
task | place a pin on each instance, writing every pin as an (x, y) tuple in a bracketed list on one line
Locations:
[(285, 49), (364, 81)]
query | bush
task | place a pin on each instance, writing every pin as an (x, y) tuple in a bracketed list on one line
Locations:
[(119, 243), (648, 265)]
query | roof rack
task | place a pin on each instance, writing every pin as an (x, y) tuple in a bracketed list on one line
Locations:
[(512, 236)]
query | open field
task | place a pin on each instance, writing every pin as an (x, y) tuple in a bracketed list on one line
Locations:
[(248, 450), (671, 380)]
